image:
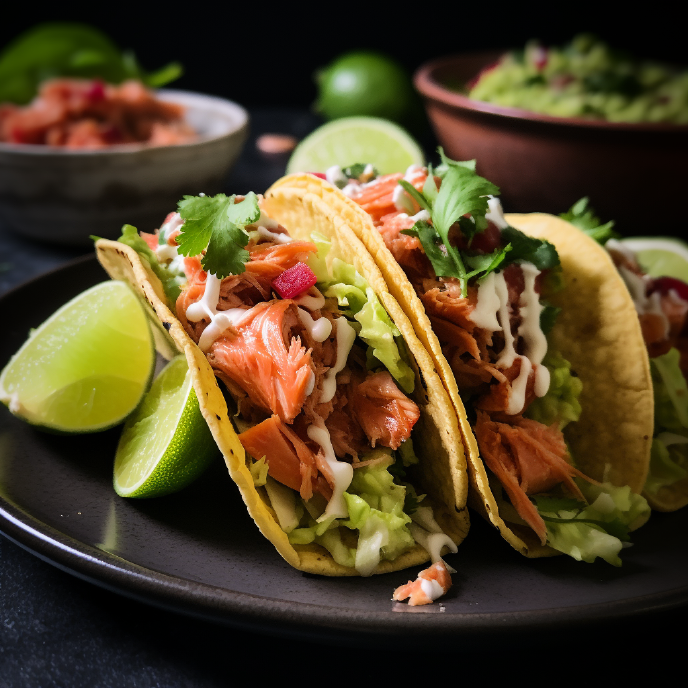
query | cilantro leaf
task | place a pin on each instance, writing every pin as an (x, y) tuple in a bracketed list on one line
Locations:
[(355, 171), (485, 263), (245, 213), (415, 195), (539, 252), (442, 262), (447, 163), (462, 192), (581, 215), (430, 189), (216, 222)]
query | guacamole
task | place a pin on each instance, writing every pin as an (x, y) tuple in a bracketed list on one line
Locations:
[(585, 78)]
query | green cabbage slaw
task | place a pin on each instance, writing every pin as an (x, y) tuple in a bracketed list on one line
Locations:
[(376, 510)]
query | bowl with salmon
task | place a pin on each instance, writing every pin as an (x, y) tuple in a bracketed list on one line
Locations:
[(85, 157)]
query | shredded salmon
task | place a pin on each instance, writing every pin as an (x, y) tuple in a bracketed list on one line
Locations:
[(275, 373), (377, 198), (289, 459), (413, 590), (528, 458), (83, 114), (384, 412)]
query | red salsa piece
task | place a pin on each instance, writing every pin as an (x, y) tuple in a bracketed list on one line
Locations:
[(294, 281)]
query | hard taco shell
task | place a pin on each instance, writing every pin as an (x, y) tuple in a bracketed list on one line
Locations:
[(597, 331), (438, 440)]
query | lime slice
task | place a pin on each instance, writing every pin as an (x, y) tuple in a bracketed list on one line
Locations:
[(661, 256), (351, 140), (166, 443), (87, 367)]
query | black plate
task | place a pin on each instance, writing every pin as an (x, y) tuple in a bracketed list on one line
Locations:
[(198, 552)]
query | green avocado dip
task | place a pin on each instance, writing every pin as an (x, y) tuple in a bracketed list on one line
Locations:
[(585, 78)]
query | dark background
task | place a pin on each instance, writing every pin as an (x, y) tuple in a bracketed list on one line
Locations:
[(261, 53)]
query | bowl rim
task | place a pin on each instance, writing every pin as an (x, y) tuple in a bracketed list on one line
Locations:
[(170, 95), (430, 87)]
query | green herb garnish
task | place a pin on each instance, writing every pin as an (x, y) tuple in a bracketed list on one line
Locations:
[(581, 215), (217, 222)]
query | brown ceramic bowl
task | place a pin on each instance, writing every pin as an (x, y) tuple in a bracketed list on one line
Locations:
[(631, 172)]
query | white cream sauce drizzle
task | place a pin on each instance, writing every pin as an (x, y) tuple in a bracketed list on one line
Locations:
[(207, 308), (165, 252), (310, 300), (493, 296), (342, 472), (495, 214), (335, 176), (637, 287), (346, 335), (433, 543), (273, 236), (402, 201), (319, 329)]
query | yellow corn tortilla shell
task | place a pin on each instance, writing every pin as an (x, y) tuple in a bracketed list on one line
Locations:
[(597, 331), (437, 440)]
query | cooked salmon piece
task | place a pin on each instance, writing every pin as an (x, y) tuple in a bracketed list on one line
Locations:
[(377, 198), (275, 371), (89, 114), (528, 458), (431, 584), (384, 412), (407, 250), (289, 459)]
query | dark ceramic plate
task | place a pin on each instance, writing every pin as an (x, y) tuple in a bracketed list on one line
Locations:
[(199, 553)]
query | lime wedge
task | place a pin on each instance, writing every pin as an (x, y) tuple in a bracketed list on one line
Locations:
[(351, 140), (166, 443), (661, 256), (87, 367)]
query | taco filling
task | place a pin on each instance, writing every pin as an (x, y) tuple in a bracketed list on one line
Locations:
[(485, 287), (319, 377)]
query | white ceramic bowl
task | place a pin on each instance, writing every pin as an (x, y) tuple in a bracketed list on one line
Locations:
[(63, 196)]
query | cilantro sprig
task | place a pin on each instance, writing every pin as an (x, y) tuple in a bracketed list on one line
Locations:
[(216, 223), (463, 199), (581, 215)]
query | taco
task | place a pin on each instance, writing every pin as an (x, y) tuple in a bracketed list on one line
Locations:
[(340, 435), (532, 333), (661, 305)]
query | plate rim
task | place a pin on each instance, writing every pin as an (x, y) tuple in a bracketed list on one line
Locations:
[(284, 617)]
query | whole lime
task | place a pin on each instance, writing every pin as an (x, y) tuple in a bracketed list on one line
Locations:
[(365, 83)]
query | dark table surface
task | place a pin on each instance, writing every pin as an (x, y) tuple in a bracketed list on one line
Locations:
[(56, 630)]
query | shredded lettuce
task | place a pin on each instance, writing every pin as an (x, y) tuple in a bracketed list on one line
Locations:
[(597, 530), (358, 301), (671, 392), (669, 458), (376, 510), (171, 281), (560, 404), (379, 333), (259, 472), (668, 461)]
